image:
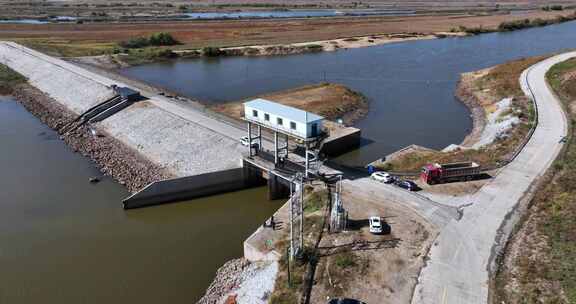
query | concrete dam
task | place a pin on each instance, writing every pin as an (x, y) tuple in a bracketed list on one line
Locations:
[(201, 154)]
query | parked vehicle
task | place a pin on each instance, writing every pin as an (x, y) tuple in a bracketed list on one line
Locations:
[(244, 142), (345, 301), (441, 173), (383, 177), (408, 185), (375, 224)]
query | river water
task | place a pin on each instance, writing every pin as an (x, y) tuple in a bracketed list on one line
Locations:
[(410, 86), (273, 14), (64, 240)]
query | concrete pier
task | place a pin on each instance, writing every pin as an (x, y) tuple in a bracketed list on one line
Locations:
[(278, 187)]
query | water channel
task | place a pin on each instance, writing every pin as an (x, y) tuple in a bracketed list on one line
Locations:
[(410, 86), (273, 14), (64, 240)]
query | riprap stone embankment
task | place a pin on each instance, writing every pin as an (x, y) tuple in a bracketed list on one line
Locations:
[(149, 140)]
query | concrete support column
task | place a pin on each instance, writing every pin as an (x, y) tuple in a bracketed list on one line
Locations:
[(259, 138), (307, 162), (250, 139), (286, 146), (275, 148), (276, 188)]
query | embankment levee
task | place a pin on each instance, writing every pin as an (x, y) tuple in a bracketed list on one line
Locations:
[(148, 141), (465, 95)]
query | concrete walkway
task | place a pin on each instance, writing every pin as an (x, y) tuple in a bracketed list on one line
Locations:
[(458, 269)]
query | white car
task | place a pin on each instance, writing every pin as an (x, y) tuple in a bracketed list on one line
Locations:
[(244, 141), (382, 177), (375, 224)]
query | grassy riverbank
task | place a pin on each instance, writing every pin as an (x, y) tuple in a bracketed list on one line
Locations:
[(482, 91), (540, 262), (90, 39), (514, 25), (8, 79)]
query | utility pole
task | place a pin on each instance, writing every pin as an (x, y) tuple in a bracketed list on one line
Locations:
[(302, 212), (291, 219), (296, 213)]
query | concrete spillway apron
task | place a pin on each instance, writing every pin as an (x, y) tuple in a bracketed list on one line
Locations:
[(458, 268)]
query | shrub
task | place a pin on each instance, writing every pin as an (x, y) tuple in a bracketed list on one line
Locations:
[(507, 26), (345, 260), (135, 43), (212, 51), (556, 8), (156, 39), (315, 47), (162, 39)]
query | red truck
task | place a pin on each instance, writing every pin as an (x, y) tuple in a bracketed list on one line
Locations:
[(441, 173)]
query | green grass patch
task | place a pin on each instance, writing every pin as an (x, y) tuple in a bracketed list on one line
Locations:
[(68, 48), (8, 79), (146, 55), (315, 201), (345, 260)]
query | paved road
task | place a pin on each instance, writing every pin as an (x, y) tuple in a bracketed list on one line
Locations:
[(457, 271), (436, 214)]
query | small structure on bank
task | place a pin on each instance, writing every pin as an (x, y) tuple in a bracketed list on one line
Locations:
[(285, 121)]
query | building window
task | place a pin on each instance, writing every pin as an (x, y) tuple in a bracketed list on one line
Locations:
[(266, 117), (254, 113), (279, 121), (292, 125)]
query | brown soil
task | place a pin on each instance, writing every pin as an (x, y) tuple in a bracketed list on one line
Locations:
[(466, 93), (254, 32), (126, 166), (332, 101), (372, 268)]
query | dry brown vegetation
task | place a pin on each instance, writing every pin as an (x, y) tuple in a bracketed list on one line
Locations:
[(356, 263), (483, 89), (540, 260), (199, 34)]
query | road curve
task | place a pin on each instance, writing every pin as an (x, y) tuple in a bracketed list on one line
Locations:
[(458, 268)]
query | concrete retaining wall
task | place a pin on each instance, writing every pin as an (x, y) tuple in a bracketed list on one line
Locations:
[(190, 187), (342, 141)]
